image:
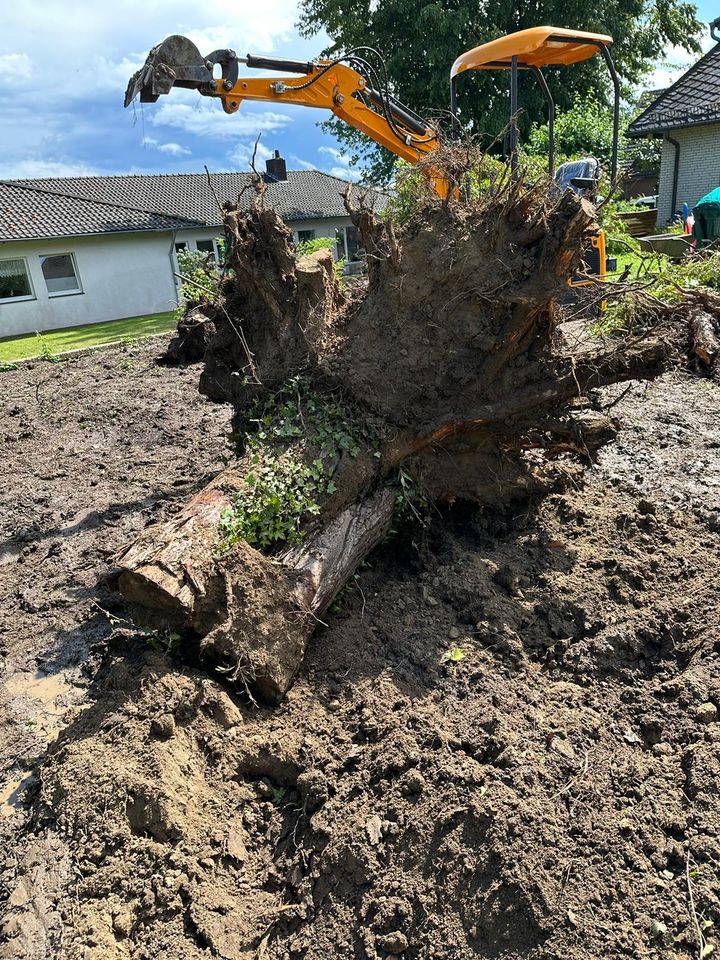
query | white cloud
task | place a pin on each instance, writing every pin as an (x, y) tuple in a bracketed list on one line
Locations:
[(674, 63), (335, 154), (174, 149), (30, 168), (15, 66), (303, 164), (209, 120), (341, 167), (344, 173), (241, 155), (87, 52)]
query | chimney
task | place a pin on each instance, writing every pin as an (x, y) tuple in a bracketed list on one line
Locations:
[(276, 168)]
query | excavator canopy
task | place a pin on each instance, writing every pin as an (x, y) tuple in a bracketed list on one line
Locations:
[(537, 47)]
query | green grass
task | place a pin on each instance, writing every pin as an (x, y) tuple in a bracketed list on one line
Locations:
[(91, 335), (633, 260)]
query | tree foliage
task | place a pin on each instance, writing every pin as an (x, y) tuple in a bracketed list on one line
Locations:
[(420, 41), (586, 130)]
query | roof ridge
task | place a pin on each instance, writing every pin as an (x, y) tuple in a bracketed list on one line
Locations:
[(104, 203), (20, 181)]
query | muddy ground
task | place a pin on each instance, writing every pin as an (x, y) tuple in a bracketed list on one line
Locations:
[(504, 743)]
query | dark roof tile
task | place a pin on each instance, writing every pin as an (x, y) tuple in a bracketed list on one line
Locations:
[(73, 206), (693, 99), (28, 213)]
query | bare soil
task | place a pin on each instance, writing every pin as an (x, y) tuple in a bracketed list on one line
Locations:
[(503, 744)]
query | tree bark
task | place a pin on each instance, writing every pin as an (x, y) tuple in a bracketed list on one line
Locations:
[(252, 614)]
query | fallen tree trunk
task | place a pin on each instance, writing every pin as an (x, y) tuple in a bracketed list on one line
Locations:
[(253, 614), (440, 363), (706, 342)]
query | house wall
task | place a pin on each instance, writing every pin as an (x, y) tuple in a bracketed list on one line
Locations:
[(122, 275), (699, 170), (322, 228)]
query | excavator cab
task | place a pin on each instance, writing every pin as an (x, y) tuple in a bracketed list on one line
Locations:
[(531, 51)]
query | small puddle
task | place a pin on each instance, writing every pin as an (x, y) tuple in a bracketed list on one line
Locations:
[(41, 700)]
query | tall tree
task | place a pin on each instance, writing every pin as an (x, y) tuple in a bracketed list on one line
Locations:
[(419, 42)]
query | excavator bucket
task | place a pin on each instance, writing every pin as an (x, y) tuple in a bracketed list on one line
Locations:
[(176, 62)]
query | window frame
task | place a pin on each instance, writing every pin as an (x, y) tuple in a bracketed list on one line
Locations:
[(62, 293), (27, 296), (343, 248), (311, 230), (213, 251)]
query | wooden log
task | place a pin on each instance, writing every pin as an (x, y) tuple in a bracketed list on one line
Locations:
[(706, 344), (252, 613)]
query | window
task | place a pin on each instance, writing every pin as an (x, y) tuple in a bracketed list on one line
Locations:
[(206, 246), (15, 280), (60, 274), (181, 245), (305, 235), (352, 240), (348, 244)]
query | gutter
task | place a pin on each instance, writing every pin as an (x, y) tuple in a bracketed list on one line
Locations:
[(676, 170)]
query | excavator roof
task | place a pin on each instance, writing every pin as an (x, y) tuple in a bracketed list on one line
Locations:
[(536, 47)]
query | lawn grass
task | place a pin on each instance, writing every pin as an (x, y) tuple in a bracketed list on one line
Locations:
[(630, 259), (91, 335)]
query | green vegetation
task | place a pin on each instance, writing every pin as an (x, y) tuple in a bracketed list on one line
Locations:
[(411, 504), (293, 442), (662, 281), (306, 247), (281, 491), (45, 350), (75, 338), (199, 276), (400, 30), (586, 128), (296, 412), (411, 187), (454, 655), (164, 641)]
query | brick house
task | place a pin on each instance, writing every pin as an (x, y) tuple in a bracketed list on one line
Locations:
[(79, 250), (687, 117)]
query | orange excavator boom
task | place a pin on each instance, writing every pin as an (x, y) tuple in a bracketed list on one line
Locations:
[(342, 86)]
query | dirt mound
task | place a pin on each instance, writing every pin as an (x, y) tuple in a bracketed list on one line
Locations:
[(504, 744), (406, 802)]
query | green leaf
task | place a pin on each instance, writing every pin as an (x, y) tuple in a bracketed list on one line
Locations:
[(454, 655)]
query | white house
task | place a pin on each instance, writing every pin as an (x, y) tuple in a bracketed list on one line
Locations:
[(77, 250), (687, 117)]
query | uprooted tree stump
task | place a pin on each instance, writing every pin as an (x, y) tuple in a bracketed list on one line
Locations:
[(440, 366)]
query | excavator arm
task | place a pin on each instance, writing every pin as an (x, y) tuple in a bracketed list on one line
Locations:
[(340, 86)]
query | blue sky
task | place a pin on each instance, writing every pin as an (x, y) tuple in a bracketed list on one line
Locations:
[(64, 67)]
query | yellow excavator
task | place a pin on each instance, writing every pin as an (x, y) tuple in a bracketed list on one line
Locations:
[(351, 87), (355, 87)]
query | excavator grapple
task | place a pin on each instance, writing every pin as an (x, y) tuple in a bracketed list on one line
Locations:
[(176, 62)]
